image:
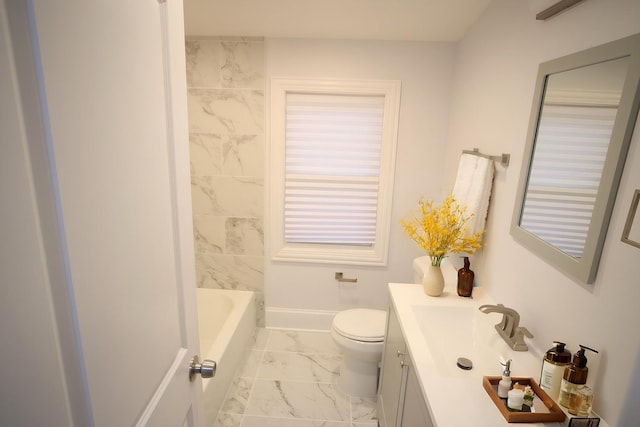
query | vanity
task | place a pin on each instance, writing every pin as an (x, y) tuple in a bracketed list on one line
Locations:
[(420, 382)]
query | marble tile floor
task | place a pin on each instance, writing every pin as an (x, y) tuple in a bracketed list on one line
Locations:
[(289, 379)]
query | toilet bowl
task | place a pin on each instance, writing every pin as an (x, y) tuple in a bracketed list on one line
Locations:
[(359, 334)]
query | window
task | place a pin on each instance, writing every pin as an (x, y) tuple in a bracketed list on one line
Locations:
[(571, 148), (332, 165)]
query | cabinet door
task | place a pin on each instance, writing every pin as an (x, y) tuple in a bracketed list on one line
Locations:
[(414, 411), (393, 373)]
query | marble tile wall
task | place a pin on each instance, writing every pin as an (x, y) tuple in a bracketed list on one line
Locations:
[(225, 79)]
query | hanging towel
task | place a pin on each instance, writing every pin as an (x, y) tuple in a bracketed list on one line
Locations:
[(473, 189)]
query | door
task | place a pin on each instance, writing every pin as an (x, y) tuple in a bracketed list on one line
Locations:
[(111, 204), (414, 409)]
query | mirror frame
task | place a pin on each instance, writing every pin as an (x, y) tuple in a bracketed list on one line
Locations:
[(585, 268)]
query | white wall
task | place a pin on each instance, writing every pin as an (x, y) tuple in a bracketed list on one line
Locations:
[(425, 70), (495, 72)]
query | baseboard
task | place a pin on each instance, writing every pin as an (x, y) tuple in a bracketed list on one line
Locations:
[(291, 318)]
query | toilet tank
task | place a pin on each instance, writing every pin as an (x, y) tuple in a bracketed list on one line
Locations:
[(420, 265)]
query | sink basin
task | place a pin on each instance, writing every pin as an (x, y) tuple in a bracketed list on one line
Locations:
[(451, 332)]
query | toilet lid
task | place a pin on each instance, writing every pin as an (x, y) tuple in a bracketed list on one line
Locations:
[(361, 324)]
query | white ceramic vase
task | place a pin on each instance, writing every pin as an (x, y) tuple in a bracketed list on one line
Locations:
[(433, 281)]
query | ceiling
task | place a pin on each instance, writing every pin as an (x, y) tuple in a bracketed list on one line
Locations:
[(424, 20)]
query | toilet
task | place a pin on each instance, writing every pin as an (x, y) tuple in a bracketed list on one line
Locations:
[(359, 334)]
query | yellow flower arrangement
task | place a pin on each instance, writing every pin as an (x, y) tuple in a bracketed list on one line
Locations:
[(440, 230)]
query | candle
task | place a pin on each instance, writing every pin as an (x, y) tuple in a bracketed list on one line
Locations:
[(514, 399)]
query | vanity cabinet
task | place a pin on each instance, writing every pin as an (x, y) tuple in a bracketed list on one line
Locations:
[(400, 399)]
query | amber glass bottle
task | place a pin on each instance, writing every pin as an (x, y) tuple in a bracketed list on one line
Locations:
[(465, 279), (574, 375)]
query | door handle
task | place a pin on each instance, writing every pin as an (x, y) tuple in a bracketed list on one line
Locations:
[(206, 369)]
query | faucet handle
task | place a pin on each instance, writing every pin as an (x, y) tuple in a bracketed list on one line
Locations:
[(525, 332), (518, 343)]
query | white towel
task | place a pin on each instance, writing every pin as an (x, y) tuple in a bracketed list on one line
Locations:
[(473, 189)]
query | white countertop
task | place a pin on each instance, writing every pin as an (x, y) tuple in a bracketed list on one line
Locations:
[(456, 397)]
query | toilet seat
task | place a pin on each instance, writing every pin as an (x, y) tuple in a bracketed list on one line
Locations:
[(361, 324)]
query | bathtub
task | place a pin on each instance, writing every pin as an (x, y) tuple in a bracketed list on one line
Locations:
[(226, 321)]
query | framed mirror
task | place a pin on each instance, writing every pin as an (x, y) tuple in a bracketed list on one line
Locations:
[(584, 110)]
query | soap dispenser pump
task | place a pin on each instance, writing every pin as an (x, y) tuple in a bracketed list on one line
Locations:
[(505, 383), (574, 375)]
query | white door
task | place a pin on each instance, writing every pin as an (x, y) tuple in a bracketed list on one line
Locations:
[(110, 79)]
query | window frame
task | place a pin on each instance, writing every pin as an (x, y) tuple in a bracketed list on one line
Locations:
[(280, 250)]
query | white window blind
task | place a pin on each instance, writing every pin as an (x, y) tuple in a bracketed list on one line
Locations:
[(332, 163), (332, 168), (571, 147)]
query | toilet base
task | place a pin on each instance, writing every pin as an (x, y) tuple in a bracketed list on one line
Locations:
[(358, 378)]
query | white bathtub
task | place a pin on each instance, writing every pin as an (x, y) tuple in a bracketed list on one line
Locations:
[(227, 321)]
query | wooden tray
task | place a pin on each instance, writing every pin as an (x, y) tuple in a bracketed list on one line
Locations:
[(544, 410)]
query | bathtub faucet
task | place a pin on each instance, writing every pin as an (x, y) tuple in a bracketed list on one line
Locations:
[(509, 328)]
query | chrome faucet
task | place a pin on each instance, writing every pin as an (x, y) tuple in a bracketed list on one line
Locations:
[(509, 328)]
